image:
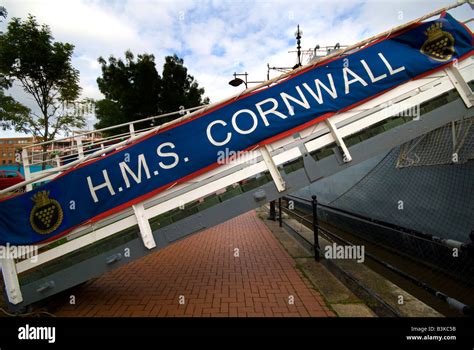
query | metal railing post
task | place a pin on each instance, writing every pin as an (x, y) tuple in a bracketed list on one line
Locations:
[(58, 160), (272, 214), (10, 278), (80, 149), (26, 168), (314, 203), (280, 218)]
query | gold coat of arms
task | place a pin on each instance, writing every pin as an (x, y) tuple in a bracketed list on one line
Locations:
[(439, 45), (46, 215)]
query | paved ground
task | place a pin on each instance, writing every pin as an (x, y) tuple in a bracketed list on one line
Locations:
[(261, 281)]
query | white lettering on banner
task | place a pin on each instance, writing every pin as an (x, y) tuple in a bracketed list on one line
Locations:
[(124, 169), (254, 120), (107, 184), (245, 121), (319, 85), (270, 106), (389, 67), (303, 102), (370, 74), (167, 154), (273, 110), (209, 135), (348, 82)]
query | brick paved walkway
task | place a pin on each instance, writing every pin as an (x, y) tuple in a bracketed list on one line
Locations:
[(262, 281)]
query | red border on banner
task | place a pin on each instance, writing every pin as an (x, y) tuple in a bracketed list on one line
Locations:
[(264, 142)]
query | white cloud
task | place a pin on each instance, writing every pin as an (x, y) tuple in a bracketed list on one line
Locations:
[(76, 20)]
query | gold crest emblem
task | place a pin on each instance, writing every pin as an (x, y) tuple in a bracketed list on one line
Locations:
[(46, 215), (439, 45)]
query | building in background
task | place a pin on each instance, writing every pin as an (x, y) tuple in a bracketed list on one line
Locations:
[(11, 145)]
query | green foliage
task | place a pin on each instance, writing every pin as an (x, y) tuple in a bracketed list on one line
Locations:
[(109, 113), (43, 67), (10, 110), (178, 87), (134, 90), (3, 12), (12, 113), (131, 88)]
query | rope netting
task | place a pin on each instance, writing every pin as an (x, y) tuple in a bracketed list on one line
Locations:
[(426, 150), (435, 199)]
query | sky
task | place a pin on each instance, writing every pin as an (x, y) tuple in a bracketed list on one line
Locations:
[(214, 37)]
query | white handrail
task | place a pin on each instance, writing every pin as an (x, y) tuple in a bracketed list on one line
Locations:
[(118, 126)]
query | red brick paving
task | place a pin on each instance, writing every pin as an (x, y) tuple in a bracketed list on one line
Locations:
[(203, 269)]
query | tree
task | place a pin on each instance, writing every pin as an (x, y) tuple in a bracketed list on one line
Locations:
[(11, 111), (3, 12), (131, 89), (9, 108), (134, 90), (43, 68), (179, 89)]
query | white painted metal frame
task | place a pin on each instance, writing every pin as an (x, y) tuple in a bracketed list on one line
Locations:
[(272, 168), (132, 129), (144, 226), (10, 278), (461, 86), (339, 141), (26, 168), (279, 152), (80, 149)]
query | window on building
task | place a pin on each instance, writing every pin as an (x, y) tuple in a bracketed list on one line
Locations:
[(10, 161)]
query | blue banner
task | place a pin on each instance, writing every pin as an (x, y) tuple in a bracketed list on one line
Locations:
[(108, 184)]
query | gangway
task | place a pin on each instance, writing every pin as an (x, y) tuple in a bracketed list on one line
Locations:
[(261, 174)]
